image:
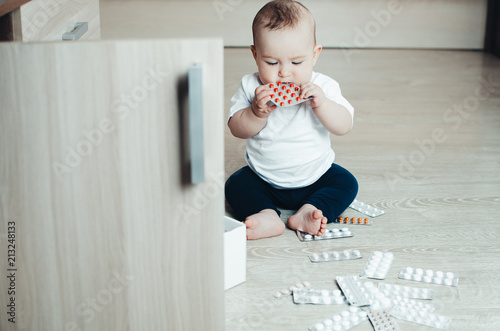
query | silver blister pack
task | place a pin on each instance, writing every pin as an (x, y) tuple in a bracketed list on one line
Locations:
[(345, 320), (354, 291), (329, 234), (421, 317), (429, 276), (393, 290), (366, 209), (378, 265), (318, 297), (347, 254), (382, 321), (285, 94), (359, 292)]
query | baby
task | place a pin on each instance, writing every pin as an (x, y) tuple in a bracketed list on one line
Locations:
[(288, 149)]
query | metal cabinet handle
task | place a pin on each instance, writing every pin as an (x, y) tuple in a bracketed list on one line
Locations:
[(195, 99), (79, 29)]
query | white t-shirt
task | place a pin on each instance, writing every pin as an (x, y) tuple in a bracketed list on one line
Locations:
[(293, 149)]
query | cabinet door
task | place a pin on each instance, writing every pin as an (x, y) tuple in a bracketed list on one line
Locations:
[(103, 228), (48, 20)]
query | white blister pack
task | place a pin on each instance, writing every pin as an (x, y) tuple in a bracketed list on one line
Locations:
[(429, 276), (288, 291), (393, 290), (329, 234), (378, 265), (366, 209), (421, 317), (318, 297), (345, 320), (412, 304), (347, 254), (382, 321)]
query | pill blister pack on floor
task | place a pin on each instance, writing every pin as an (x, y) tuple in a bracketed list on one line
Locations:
[(329, 234), (382, 321), (363, 293), (378, 265), (413, 304), (345, 320), (288, 291), (366, 209), (318, 297), (393, 290), (421, 317), (285, 94), (352, 286), (354, 220), (429, 276), (347, 254)]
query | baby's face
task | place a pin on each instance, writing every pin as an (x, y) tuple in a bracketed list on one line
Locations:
[(286, 55)]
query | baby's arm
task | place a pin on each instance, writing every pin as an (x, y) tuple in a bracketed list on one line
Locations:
[(247, 122), (334, 117)]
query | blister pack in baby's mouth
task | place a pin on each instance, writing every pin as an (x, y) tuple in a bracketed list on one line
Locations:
[(285, 94)]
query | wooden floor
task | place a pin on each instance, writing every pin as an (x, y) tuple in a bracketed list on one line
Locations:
[(425, 147)]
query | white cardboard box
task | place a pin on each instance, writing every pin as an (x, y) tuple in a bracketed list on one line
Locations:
[(235, 252)]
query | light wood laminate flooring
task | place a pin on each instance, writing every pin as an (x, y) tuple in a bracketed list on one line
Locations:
[(425, 148)]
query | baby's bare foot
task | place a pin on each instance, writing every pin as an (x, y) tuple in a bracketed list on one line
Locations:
[(308, 219), (264, 224)]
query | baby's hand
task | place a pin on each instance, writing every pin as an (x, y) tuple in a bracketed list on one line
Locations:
[(260, 105), (309, 89)]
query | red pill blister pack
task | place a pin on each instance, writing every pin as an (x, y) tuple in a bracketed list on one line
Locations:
[(285, 94)]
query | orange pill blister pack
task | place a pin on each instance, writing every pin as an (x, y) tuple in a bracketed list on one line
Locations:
[(354, 220), (285, 94)]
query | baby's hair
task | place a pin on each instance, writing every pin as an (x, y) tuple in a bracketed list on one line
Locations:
[(279, 14)]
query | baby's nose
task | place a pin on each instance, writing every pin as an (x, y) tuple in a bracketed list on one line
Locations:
[(284, 72)]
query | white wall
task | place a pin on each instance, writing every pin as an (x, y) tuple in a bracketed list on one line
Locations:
[(447, 24)]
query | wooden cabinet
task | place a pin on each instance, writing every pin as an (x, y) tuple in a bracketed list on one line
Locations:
[(109, 234), (48, 20)]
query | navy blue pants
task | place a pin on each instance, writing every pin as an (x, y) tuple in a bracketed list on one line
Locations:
[(332, 193)]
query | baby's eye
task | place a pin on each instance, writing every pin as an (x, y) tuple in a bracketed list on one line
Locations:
[(271, 63), (297, 62)]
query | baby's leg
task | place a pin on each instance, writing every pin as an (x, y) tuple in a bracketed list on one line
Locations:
[(250, 198), (329, 196)]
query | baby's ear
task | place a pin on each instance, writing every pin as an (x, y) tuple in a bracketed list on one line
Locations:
[(317, 50), (254, 52)]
